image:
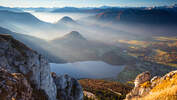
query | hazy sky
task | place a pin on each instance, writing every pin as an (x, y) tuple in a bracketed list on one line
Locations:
[(84, 3)]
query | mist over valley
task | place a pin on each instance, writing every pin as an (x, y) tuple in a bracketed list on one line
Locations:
[(104, 48)]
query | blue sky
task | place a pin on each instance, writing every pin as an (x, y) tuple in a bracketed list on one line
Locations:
[(84, 3)]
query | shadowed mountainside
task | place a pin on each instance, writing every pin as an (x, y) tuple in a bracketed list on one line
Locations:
[(35, 43), (144, 16)]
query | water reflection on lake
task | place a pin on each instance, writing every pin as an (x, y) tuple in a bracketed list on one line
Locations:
[(87, 69)]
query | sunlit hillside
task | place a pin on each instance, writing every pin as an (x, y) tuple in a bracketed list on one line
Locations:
[(166, 89), (105, 90), (162, 50)]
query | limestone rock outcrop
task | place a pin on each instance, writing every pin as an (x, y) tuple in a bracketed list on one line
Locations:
[(26, 75), (157, 88), (14, 86), (139, 90), (141, 78), (18, 58), (68, 88)]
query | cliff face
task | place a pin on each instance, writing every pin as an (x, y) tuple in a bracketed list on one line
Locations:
[(15, 57), (68, 88), (10, 88), (157, 88)]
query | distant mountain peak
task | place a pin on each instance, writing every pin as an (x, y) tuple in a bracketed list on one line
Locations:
[(66, 19), (74, 34), (105, 7), (72, 37)]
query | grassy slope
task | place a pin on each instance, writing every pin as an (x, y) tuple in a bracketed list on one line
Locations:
[(105, 90), (165, 90)]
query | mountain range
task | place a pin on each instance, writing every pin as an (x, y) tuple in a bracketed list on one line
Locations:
[(141, 16), (34, 43), (139, 40), (21, 21), (72, 46), (11, 9)]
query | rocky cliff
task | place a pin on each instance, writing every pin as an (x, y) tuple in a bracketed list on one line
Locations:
[(156, 88), (68, 88), (14, 86), (15, 57)]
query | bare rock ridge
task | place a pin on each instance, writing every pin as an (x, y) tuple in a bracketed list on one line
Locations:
[(141, 78), (17, 58), (138, 89), (31, 67), (157, 88), (68, 87), (10, 88)]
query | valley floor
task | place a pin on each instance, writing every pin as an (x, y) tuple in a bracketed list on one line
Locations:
[(104, 90)]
